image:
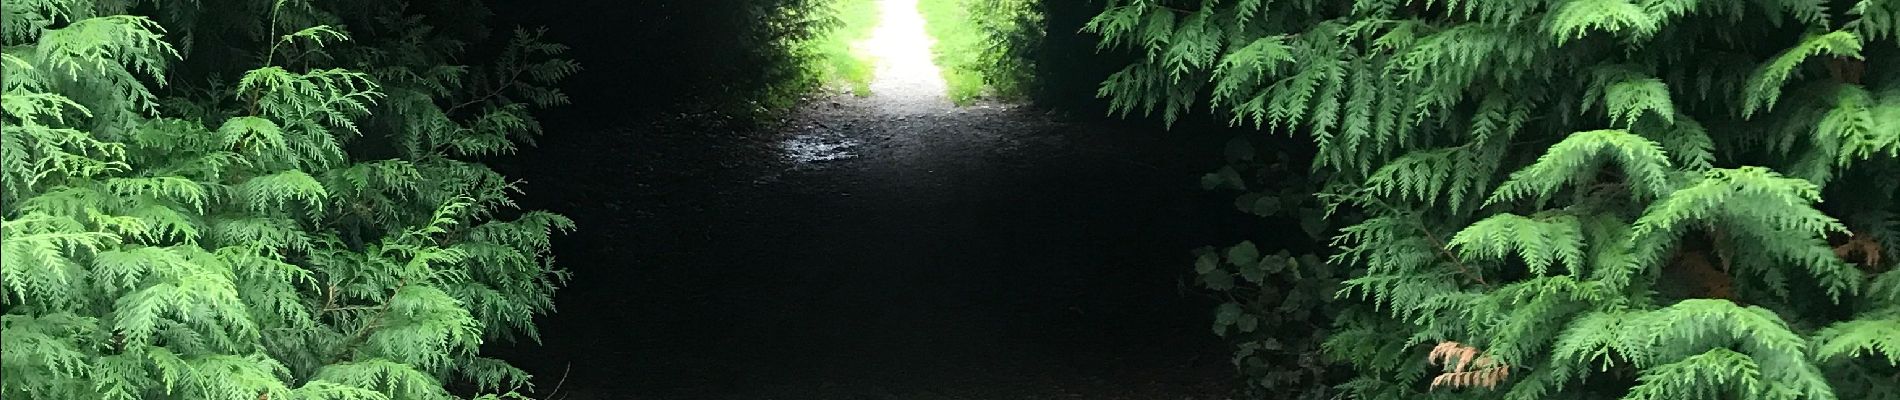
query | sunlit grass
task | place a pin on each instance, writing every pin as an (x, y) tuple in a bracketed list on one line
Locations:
[(840, 61), (959, 49)]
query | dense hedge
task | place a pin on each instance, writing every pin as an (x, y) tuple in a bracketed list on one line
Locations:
[(1649, 199), (238, 199)]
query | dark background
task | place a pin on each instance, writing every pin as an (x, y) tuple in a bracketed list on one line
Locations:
[(1052, 257)]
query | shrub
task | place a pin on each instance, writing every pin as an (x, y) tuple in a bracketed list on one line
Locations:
[(983, 46), (840, 61), (1277, 304), (1578, 198), (298, 217)]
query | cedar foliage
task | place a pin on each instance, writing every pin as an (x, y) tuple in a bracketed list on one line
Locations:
[(1640, 199), (293, 212)]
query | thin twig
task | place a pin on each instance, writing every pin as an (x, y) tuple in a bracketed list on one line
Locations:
[(349, 308), (1442, 250), (1440, 246), (363, 334), (563, 381), (512, 80), (1172, 8)]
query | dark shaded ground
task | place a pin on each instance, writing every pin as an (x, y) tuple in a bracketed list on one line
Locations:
[(978, 253)]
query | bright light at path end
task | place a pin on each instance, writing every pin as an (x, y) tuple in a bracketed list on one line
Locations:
[(901, 51)]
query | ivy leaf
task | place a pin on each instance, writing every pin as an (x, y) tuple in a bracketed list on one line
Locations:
[(1206, 263), (1243, 254), (1245, 201), (1239, 149), (1274, 264), (1255, 272), (1313, 261), (1265, 206), (1271, 344), (1248, 323), (1218, 281), (1313, 222), (1225, 178), (1227, 315), (1260, 204)]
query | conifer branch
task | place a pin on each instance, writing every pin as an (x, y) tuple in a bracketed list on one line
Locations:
[(1413, 108), (505, 84), (1445, 252), (368, 327)]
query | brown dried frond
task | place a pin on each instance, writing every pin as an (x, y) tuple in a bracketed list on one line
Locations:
[(1703, 278), (1466, 366), (1847, 70), (1864, 245)]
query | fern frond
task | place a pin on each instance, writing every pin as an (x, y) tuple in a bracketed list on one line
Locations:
[(1574, 162), (113, 48), (1541, 242), (1770, 211), (1428, 176), (1703, 376), (383, 376), (1862, 125), (1629, 95), (1871, 334), (1764, 86), (1875, 19), (1573, 19), (270, 192), (1683, 138)]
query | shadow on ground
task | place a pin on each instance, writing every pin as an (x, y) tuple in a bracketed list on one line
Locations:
[(986, 252)]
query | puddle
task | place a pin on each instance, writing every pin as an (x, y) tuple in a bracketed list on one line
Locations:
[(812, 147)]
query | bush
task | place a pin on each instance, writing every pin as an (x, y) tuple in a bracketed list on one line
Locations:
[(295, 216), (1573, 199), (775, 63), (1277, 295), (983, 46), (840, 62)]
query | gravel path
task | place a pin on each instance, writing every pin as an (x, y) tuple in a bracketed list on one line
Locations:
[(905, 82)]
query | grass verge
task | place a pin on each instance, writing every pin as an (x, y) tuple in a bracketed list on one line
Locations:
[(959, 49), (838, 61), (983, 46)]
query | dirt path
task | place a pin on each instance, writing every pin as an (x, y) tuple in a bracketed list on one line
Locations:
[(940, 255), (890, 247), (984, 252), (905, 80)]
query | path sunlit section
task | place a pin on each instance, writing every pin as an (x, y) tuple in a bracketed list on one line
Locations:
[(906, 79)]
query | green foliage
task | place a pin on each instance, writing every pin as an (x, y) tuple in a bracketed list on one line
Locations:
[(1275, 313), (1276, 307), (982, 45), (747, 58), (1572, 199), (841, 61), (297, 217)]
